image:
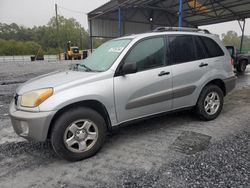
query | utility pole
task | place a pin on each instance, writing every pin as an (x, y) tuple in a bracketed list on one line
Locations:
[(242, 33), (57, 28), (180, 14), (81, 39)]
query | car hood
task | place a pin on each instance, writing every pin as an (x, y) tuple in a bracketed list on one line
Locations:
[(54, 79)]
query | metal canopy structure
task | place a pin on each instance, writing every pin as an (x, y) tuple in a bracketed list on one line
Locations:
[(123, 17)]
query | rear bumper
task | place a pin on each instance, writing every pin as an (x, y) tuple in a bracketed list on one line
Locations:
[(31, 125), (230, 83)]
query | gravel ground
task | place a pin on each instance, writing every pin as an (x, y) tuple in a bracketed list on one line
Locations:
[(224, 164), (176, 150)]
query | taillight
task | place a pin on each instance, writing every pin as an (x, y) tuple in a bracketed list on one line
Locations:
[(232, 61)]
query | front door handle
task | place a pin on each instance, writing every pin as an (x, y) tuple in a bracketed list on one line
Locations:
[(162, 73), (203, 65)]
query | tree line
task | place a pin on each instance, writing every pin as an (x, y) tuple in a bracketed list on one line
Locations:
[(232, 38), (20, 40)]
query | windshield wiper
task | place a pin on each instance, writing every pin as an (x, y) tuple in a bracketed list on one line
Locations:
[(87, 68)]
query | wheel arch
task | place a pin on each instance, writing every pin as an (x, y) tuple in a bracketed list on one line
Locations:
[(92, 104), (244, 59), (219, 82)]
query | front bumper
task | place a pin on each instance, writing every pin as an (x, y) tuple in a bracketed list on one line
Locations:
[(230, 83), (30, 125)]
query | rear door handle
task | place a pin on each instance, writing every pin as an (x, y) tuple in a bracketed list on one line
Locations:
[(162, 73), (203, 65)]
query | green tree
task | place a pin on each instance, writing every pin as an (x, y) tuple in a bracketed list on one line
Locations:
[(69, 30), (13, 47), (231, 38), (44, 36)]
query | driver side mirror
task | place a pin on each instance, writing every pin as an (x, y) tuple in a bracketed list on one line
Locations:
[(129, 68)]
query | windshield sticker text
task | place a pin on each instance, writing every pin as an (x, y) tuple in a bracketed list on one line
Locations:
[(116, 49)]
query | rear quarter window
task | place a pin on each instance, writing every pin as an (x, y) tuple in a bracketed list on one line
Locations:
[(211, 47)]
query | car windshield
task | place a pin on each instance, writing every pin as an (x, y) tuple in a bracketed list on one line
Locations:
[(104, 56)]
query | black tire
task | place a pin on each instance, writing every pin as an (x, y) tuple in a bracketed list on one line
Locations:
[(79, 57), (69, 57), (200, 106), (241, 67), (65, 120)]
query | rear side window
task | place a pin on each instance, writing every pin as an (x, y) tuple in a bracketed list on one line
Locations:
[(212, 48), (182, 48), (199, 48)]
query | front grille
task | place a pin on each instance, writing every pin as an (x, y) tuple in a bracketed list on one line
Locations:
[(76, 51), (16, 99)]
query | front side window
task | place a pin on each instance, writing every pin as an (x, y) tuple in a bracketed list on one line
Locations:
[(147, 54), (104, 56)]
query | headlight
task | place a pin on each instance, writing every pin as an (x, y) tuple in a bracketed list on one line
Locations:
[(35, 98)]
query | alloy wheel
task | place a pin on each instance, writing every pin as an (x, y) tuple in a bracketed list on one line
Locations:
[(80, 136), (212, 103)]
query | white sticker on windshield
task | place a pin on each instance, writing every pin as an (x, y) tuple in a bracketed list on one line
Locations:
[(116, 49)]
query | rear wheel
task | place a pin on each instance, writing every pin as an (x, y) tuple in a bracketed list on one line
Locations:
[(241, 67), (210, 102), (78, 134)]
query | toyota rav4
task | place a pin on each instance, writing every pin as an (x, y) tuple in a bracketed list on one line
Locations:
[(125, 79)]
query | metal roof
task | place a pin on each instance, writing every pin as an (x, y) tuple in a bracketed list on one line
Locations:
[(144, 15)]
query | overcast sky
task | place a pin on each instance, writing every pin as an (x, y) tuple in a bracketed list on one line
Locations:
[(38, 12)]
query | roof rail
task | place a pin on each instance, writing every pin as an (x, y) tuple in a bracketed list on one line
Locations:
[(162, 29)]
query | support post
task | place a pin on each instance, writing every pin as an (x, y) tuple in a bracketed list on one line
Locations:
[(119, 22), (57, 29), (180, 14), (242, 33), (90, 36)]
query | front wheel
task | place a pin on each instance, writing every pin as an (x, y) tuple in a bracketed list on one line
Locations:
[(210, 102), (78, 134)]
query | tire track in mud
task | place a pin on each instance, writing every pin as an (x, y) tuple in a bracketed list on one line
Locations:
[(12, 82)]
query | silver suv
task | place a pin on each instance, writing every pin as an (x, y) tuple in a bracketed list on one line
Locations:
[(125, 79)]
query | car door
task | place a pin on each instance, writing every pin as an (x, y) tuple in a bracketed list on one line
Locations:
[(188, 69), (149, 90)]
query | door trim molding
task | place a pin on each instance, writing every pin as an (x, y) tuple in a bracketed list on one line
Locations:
[(159, 97)]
